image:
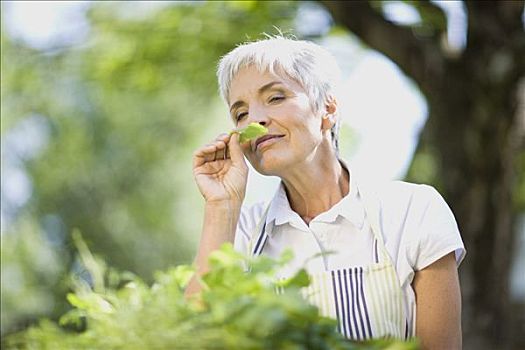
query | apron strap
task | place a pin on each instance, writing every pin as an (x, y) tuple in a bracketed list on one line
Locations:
[(259, 236), (372, 208), (371, 204)]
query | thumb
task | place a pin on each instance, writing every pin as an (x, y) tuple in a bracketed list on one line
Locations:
[(235, 149)]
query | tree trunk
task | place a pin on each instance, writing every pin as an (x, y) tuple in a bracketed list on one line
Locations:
[(475, 131)]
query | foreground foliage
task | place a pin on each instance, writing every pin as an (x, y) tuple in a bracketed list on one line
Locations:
[(235, 310)]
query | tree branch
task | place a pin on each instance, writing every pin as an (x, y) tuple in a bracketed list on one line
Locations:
[(483, 24), (419, 56)]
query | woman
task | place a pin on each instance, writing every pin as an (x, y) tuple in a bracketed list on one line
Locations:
[(389, 249)]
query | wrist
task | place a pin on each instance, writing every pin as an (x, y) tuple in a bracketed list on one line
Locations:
[(225, 205), (222, 214)]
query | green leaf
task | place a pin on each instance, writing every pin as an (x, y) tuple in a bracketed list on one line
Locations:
[(253, 130), (72, 318), (76, 301), (299, 280)]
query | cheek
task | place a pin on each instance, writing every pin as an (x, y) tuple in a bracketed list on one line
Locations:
[(308, 125)]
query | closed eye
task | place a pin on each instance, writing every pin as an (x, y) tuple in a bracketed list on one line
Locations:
[(241, 115), (276, 99)]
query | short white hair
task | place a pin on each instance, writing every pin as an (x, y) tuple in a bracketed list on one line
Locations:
[(312, 66)]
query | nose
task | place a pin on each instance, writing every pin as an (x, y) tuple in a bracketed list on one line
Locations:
[(259, 116)]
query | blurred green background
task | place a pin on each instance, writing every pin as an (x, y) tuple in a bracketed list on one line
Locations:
[(104, 130), (98, 133)]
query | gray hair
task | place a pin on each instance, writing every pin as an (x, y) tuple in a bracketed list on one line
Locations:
[(313, 67)]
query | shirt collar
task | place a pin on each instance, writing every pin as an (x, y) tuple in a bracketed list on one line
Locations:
[(350, 207), (280, 212)]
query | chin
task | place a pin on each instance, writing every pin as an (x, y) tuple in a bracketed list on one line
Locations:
[(269, 165)]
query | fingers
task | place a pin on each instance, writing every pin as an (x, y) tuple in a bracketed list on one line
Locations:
[(225, 146), (222, 147), (234, 147), (211, 152)]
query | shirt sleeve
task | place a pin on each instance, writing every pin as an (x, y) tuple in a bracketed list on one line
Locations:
[(437, 233)]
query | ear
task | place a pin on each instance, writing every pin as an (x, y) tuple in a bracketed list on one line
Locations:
[(330, 116)]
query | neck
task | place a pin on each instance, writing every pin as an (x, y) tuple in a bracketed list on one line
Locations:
[(316, 186)]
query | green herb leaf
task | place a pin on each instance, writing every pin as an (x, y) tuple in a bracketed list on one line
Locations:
[(253, 130)]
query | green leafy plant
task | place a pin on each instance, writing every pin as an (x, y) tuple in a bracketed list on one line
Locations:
[(252, 131), (235, 310)]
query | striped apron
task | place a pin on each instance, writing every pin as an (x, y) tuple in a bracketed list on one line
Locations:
[(367, 301)]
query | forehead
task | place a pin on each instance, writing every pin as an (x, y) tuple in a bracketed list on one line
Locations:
[(248, 80)]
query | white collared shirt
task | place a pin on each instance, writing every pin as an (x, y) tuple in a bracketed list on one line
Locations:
[(417, 224)]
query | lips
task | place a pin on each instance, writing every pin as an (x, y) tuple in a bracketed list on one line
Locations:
[(266, 137)]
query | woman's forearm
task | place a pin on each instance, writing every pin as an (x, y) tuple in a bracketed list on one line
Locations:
[(220, 223)]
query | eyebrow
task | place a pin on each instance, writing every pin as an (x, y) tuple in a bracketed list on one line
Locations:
[(260, 91)]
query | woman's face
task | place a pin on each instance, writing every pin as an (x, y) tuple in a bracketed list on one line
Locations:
[(283, 107)]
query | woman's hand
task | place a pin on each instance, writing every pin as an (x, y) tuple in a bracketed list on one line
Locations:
[(220, 170)]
